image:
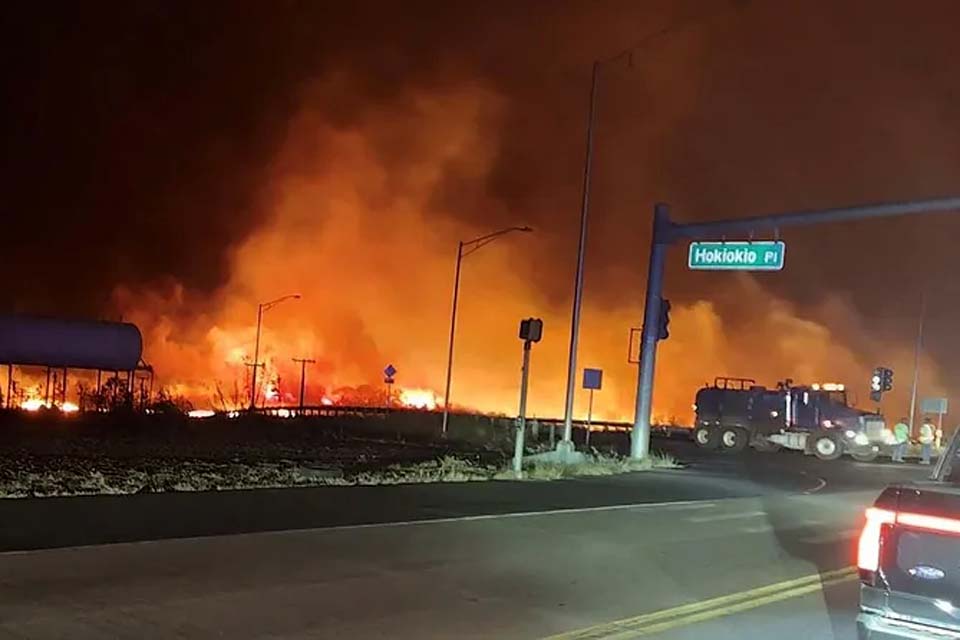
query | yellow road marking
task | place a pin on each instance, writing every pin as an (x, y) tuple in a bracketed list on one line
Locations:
[(682, 615)]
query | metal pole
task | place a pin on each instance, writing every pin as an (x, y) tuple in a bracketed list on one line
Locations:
[(63, 397), (46, 397), (256, 360), (453, 328), (586, 439), (9, 386), (522, 418), (640, 438), (916, 362), (578, 281), (303, 379)]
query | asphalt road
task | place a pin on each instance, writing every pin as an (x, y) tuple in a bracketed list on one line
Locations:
[(727, 548)]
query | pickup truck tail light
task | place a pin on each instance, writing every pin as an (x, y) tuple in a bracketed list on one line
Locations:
[(868, 551)]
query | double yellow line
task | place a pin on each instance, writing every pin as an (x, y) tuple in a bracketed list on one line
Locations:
[(665, 619)]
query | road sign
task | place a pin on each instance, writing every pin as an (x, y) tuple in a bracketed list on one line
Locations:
[(736, 256), (933, 405), (592, 378), (389, 371)]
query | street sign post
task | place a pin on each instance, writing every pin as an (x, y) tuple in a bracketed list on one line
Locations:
[(388, 373), (592, 380), (736, 256)]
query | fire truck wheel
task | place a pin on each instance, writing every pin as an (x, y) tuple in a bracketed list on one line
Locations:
[(827, 446), (706, 438), (734, 439), (865, 454)]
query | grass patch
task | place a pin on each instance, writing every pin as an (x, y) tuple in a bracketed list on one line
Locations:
[(598, 464), (71, 476)]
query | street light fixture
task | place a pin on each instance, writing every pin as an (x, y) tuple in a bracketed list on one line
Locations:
[(463, 250), (263, 306)]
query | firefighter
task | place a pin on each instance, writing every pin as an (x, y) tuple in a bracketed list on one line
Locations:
[(901, 434), (928, 433)]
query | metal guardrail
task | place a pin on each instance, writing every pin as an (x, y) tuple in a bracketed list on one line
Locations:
[(382, 412)]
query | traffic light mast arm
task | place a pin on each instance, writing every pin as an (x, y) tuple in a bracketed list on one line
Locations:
[(671, 231), (666, 232)]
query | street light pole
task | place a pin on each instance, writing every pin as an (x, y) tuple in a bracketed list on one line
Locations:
[(578, 279), (263, 306), (453, 329), (625, 54), (470, 246), (916, 362), (256, 360)]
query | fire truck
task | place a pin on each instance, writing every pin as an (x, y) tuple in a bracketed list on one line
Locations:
[(735, 413)]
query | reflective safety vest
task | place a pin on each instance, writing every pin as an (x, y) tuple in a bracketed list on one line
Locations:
[(902, 432)]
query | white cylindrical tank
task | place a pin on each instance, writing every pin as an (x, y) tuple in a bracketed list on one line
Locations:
[(49, 342)]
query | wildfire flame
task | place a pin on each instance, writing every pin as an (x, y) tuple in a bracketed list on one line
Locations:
[(418, 398), (36, 404)]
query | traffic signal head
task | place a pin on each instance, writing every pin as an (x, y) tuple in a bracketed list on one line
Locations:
[(531, 329), (876, 381), (664, 325), (886, 380)]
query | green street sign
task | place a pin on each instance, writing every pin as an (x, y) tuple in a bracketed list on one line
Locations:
[(736, 256)]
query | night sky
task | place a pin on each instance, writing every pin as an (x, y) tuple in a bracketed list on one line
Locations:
[(141, 137)]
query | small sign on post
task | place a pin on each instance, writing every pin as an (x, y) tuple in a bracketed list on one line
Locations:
[(388, 379), (933, 405), (736, 256), (939, 407), (592, 380)]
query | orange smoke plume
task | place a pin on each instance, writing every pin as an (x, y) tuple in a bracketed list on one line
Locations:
[(351, 224)]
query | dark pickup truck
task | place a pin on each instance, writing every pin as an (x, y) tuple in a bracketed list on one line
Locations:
[(909, 557)]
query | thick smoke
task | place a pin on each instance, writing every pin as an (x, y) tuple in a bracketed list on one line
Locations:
[(362, 238), (341, 154)]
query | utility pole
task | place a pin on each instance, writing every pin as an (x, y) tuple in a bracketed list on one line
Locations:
[(303, 375), (916, 361), (667, 232)]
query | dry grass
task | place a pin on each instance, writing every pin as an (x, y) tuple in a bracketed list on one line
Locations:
[(598, 465), (92, 477)]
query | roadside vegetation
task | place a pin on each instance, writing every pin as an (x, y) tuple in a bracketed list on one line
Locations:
[(69, 476)]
